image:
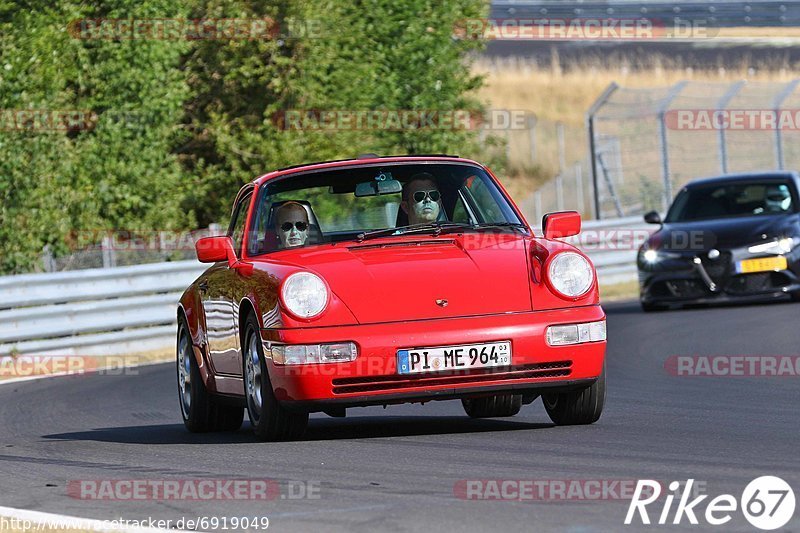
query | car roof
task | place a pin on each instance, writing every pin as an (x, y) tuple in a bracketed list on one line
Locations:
[(364, 160), (744, 176)]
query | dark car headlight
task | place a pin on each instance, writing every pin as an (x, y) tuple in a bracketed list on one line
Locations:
[(777, 247), (651, 256)]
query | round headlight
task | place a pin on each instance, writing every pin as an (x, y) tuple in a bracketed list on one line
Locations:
[(570, 274), (304, 294)]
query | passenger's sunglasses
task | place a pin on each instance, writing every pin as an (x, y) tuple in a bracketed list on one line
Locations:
[(419, 196), (301, 226)]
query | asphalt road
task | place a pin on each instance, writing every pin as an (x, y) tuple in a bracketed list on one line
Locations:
[(396, 469)]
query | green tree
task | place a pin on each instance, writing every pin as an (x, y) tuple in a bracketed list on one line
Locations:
[(116, 172)]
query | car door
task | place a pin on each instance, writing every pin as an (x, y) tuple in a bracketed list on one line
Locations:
[(218, 297)]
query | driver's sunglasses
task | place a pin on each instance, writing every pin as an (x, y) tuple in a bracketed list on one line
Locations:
[(301, 226), (419, 196)]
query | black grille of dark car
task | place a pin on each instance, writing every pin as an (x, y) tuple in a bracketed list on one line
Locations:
[(686, 288), (758, 282), (718, 269)]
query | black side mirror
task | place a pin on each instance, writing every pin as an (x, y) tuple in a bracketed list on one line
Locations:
[(652, 217)]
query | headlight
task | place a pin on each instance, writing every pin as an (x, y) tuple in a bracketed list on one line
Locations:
[(570, 274), (651, 256), (781, 246), (304, 294)]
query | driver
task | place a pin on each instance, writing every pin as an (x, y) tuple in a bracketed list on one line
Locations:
[(291, 224), (777, 198), (421, 199)]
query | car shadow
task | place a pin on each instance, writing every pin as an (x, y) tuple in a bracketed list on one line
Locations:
[(357, 427)]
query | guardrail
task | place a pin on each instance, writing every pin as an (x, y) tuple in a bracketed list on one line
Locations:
[(132, 309)]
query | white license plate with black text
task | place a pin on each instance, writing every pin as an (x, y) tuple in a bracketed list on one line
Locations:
[(442, 358)]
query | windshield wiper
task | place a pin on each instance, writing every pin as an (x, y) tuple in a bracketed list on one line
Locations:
[(501, 225), (435, 227)]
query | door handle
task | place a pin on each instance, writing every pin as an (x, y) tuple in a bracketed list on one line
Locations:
[(203, 286)]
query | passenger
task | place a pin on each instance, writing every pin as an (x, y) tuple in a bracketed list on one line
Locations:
[(421, 199), (291, 224)]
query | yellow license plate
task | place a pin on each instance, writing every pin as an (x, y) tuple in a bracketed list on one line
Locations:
[(764, 264)]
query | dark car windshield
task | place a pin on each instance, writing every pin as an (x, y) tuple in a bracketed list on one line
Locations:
[(348, 202), (726, 200)]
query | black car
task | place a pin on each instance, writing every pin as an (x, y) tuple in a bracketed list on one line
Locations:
[(728, 238)]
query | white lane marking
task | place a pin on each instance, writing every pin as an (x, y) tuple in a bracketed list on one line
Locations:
[(87, 373), (60, 521)]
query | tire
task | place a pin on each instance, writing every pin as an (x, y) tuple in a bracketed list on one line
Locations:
[(201, 414), (496, 406), (577, 407), (650, 307), (270, 420), (795, 296)]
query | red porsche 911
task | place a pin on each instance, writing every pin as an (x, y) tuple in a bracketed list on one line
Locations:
[(384, 280)]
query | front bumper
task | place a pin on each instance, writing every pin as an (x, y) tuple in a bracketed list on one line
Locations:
[(372, 379), (685, 281)]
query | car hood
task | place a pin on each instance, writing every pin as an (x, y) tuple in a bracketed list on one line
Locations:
[(395, 280), (723, 233)]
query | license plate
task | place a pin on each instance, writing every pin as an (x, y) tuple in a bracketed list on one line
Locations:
[(442, 358), (763, 264)]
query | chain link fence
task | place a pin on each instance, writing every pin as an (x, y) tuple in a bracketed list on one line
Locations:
[(647, 143)]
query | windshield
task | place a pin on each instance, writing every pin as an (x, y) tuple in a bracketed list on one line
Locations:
[(346, 203), (732, 200)]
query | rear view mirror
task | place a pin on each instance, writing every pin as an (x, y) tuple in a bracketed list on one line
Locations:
[(561, 224), (383, 183), (652, 217)]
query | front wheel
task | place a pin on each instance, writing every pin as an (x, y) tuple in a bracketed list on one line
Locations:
[(650, 307), (577, 407), (199, 410), (498, 405), (269, 419)]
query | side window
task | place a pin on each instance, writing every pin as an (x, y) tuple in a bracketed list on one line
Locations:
[(484, 203), (236, 229), (460, 213)]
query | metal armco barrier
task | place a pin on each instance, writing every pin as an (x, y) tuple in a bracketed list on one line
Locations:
[(132, 309)]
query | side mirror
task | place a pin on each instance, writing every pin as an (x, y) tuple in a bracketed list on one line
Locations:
[(561, 224), (652, 217), (214, 249)]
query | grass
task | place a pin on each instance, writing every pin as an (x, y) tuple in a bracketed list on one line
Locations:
[(619, 291)]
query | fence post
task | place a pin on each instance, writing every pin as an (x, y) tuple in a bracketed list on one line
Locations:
[(776, 106), (601, 100), (579, 187), (722, 104), (109, 258), (537, 206), (532, 136), (662, 128), (48, 261), (559, 193)]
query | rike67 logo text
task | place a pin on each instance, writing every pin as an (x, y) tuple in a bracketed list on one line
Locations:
[(767, 502)]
